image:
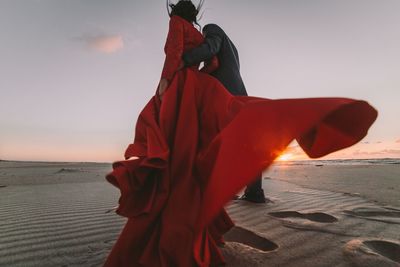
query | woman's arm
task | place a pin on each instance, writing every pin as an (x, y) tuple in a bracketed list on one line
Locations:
[(173, 48), (173, 52)]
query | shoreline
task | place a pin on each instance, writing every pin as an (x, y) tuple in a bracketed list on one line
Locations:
[(375, 182), (280, 162)]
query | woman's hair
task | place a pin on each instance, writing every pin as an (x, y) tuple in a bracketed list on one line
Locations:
[(185, 9)]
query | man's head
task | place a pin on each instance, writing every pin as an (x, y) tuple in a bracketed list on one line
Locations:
[(211, 28)]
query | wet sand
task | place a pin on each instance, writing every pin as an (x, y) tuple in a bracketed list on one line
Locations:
[(55, 214)]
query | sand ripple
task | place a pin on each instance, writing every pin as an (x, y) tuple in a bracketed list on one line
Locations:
[(57, 225)]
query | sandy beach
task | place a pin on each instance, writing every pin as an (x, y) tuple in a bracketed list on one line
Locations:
[(319, 214)]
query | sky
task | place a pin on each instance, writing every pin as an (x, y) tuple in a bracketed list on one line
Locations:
[(76, 74)]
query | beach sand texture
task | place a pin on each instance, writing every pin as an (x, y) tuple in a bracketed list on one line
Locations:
[(57, 214)]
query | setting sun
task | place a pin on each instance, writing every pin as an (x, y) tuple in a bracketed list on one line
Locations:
[(285, 157)]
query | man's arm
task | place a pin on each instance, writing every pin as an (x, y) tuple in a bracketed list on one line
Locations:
[(203, 52)]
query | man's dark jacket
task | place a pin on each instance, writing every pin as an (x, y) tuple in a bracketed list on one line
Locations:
[(217, 43)]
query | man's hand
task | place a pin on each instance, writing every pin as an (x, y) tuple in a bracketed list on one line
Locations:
[(162, 87)]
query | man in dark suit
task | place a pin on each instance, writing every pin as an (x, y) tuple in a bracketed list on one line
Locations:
[(217, 43)]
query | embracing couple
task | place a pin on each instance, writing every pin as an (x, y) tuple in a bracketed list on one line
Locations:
[(219, 47), (200, 139)]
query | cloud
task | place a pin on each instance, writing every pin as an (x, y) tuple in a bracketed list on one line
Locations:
[(398, 141), (378, 142), (104, 43)]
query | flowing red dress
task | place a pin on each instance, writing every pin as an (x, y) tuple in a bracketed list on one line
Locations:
[(199, 146)]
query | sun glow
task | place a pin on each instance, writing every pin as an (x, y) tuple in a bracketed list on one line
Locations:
[(285, 157)]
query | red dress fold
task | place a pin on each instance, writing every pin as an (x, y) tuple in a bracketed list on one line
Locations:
[(199, 146)]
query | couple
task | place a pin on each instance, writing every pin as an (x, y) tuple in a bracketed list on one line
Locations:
[(227, 70), (196, 145)]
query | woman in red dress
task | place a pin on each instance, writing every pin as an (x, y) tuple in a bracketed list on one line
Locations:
[(198, 146)]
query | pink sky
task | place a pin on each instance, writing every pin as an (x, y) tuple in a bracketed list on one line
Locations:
[(75, 75)]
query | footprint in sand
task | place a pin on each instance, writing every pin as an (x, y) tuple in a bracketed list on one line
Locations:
[(249, 238), (373, 252), (387, 215), (314, 216)]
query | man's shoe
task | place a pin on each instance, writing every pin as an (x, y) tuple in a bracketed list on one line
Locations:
[(254, 198)]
